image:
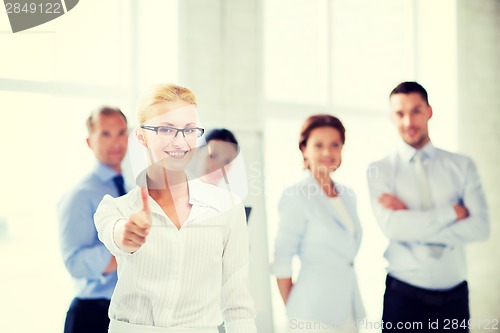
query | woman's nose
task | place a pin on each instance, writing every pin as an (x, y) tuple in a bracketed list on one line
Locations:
[(178, 139)]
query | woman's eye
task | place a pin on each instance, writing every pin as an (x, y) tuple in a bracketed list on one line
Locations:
[(165, 130), (189, 130)]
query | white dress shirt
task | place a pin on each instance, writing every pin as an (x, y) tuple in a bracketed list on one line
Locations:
[(183, 277), (415, 232)]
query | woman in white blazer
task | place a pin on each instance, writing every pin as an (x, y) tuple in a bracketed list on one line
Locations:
[(319, 224)]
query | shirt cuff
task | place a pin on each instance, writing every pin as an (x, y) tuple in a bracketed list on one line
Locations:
[(282, 271), (107, 255), (116, 248), (241, 326), (445, 215)]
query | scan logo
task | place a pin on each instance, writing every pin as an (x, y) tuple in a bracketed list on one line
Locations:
[(26, 14)]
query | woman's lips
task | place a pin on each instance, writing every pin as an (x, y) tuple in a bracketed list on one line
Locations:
[(177, 153)]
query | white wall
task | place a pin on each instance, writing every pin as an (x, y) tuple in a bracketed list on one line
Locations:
[(479, 136), (51, 78), (259, 68), (220, 60)]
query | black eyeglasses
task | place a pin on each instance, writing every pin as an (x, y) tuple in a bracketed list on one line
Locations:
[(171, 132)]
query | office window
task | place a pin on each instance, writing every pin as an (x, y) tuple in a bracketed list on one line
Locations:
[(371, 46), (51, 78), (339, 57), (295, 51)]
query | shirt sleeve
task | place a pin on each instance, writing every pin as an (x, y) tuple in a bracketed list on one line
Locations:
[(105, 218), (476, 227), (237, 303), (290, 232), (408, 224), (83, 254)]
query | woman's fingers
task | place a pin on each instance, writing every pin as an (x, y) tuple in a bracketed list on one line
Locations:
[(131, 239)]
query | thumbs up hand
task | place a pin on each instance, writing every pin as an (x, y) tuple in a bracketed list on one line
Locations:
[(130, 235)]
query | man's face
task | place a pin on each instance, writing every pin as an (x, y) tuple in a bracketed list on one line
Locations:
[(410, 114), (221, 154), (109, 140)]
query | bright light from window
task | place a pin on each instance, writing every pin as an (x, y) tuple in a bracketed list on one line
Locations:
[(90, 50)]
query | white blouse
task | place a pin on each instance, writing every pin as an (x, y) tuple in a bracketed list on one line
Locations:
[(343, 213), (195, 276)]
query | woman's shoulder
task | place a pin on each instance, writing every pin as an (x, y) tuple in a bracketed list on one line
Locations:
[(219, 198), (305, 182), (298, 191), (308, 188), (125, 201)]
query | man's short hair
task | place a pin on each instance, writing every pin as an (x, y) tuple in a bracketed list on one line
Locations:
[(102, 111), (409, 87)]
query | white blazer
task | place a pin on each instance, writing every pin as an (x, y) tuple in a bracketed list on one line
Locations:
[(326, 288)]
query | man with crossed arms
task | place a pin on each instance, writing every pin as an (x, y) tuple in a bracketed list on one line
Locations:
[(430, 204)]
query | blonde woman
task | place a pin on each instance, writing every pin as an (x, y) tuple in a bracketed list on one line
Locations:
[(181, 245)]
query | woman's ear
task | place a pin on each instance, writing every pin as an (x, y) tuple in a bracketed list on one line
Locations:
[(141, 137)]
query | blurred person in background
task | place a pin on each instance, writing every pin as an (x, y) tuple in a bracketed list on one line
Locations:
[(320, 225), (222, 150), (429, 203), (91, 265)]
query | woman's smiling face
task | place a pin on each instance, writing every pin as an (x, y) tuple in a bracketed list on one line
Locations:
[(166, 144)]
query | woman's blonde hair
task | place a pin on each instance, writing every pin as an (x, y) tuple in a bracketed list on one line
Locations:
[(163, 93)]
